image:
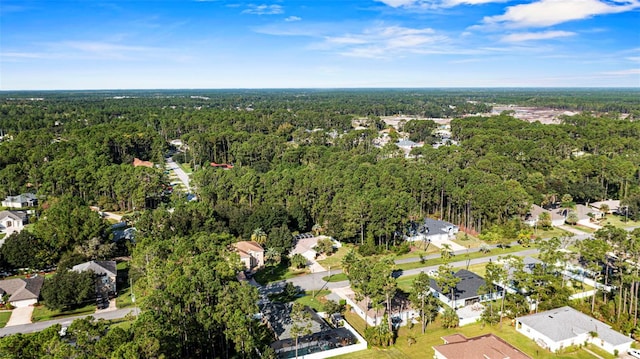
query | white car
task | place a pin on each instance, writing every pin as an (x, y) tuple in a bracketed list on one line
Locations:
[(634, 353)]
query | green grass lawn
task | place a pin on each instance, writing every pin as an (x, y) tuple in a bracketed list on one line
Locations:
[(467, 240), (618, 221), (335, 260), (4, 318), (186, 168), (314, 299), (550, 233), (275, 273), (41, 313), (335, 278), (423, 348), (461, 257)]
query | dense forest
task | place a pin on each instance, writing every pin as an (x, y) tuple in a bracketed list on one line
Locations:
[(301, 159)]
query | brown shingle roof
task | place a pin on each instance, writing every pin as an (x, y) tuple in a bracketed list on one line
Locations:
[(486, 346), (246, 246)]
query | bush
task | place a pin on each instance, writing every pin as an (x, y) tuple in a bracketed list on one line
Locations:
[(298, 261), (403, 248)]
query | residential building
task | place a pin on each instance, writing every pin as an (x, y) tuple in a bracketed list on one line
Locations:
[(251, 254), (401, 310), (466, 292), (105, 272), (564, 327), (431, 230), (22, 291), (613, 205), (487, 346), (12, 222), (533, 217), (140, 163), (20, 201)]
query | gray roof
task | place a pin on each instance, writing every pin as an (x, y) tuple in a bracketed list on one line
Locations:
[(22, 198), (97, 267), (466, 288), (15, 215), (406, 143), (566, 323), (22, 288), (279, 317)]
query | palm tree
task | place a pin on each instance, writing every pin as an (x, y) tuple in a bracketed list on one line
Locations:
[(259, 236)]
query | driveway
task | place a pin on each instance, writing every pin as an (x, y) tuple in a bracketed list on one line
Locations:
[(20, 316)]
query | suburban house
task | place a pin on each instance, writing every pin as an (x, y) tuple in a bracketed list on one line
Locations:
[(613, 205), (12, 222), (251, 254), (401, 311), (22, 292), (532, 218), (466, 292), (140, 163), (587, 214), (407, 145), (105, 272), (431, 230), (563, 327), (20, 201), (487, 346)]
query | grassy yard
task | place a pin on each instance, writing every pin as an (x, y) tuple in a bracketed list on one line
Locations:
[(41, 313), (423, 348), (314, 299), (550, 233), (461, 257), (618, 221), (275, 273), (467, 240), (335, 260), (4, 318), (186, 167)]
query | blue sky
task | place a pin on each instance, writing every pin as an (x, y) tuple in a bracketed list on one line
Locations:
[(129, 44)]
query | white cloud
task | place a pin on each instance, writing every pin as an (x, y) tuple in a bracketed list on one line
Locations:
[(263, 9), (433, 4), (532, 36), (384, 41), (292, 18), (623, 72), (551, 12), (634, 58)]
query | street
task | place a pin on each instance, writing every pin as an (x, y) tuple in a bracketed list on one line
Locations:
[(35, 327), (184, 178)]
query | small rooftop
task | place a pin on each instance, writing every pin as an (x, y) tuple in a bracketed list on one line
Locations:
[(486, 346)]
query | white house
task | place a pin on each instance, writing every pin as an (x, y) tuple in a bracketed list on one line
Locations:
[(105, 272), (22, 291), (466, 291), (563, 327), (20, 201), (401, 311), (12, 222), (431, 230)]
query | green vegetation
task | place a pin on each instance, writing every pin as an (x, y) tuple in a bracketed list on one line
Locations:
[(314, 299), (4, 318), (42, 313), (335, 278), (423, 347), (460, 257)]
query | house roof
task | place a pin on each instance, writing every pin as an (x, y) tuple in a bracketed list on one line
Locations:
[(15, 215), (406, 143), (467, 287), (97, 267), (614, 205), (22, 288), (22, 198), (248, 246), (486, 346), (430, 226), (536, 211), (138, 162), (566, 323), (280, 321)]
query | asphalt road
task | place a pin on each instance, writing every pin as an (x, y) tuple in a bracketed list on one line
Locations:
[(182, 175), (36, 327), (314, 281)]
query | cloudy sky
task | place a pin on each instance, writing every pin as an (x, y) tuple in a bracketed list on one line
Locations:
[(142, 44)]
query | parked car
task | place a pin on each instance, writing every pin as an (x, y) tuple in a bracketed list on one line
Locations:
[(634, 353)]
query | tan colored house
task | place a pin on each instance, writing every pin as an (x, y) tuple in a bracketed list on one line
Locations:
[(487, 346), (22, 292), (251, 254)]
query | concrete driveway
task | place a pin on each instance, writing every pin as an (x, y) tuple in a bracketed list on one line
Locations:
[(20, 316)]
